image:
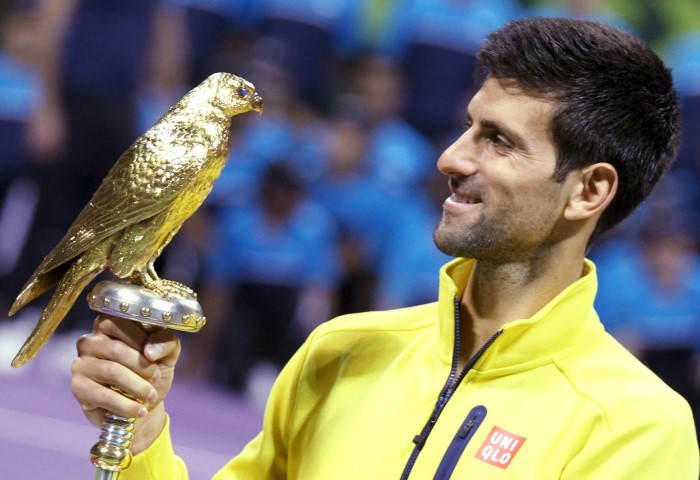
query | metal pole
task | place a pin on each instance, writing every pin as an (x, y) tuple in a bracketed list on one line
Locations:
[(112, 454)]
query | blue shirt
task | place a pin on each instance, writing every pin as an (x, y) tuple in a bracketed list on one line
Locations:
[(400, 157), (363, 211), (630, 298), (19, 90), (297, 253), (407, 273), (19, 95), (459, 25)]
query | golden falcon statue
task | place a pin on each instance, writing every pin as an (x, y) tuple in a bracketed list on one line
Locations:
[(151, 190)]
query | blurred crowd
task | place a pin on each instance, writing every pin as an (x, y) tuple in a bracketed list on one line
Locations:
[(329, 200)]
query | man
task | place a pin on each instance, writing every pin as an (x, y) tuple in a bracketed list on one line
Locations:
[(510, 374)]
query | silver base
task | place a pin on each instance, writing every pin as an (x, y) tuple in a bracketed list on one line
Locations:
[(136, 302)]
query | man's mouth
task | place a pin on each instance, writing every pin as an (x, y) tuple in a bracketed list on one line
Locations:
[(463, 192), (461, 202), (461, 198)]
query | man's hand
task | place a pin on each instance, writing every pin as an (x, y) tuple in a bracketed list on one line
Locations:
[(122, 354)]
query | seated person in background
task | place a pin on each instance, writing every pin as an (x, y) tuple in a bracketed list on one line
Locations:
[(268, 261)]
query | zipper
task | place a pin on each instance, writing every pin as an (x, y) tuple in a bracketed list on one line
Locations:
[(459, 442), (453, 380)]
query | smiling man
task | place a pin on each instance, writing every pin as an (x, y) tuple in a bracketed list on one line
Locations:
[(510, 374)]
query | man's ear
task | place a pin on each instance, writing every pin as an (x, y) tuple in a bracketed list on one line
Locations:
[(593, 190)]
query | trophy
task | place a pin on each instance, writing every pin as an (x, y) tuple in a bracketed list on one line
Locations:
[(159, 182)]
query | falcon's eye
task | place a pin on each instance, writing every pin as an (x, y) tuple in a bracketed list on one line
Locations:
[(242, 92)]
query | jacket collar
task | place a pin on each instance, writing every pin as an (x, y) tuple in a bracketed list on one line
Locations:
[(565, 323)]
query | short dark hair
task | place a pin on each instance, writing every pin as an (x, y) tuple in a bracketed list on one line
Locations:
[(615, 99)]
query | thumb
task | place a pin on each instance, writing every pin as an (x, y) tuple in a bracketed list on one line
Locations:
[(162, 346)]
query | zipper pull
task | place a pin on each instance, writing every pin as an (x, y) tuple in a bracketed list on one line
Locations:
[(466, 428), (419, 440)]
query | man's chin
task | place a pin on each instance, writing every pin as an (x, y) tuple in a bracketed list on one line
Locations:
[(450, 246)]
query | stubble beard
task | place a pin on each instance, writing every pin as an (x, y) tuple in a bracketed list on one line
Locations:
[(492, 241), (480, 240)]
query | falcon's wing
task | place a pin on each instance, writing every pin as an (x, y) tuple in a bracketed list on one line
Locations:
[(145, 180)]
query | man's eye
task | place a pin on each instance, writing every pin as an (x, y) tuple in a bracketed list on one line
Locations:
[(498, 141), (467, 124)]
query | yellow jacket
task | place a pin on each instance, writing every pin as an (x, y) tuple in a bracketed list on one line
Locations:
[(369, 396)]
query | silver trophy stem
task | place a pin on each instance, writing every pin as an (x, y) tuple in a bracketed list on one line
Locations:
[(112, 454)]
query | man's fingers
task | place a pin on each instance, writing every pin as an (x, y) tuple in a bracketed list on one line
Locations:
[(158, 345), (128, 331), (95, 399), (105, 348), (125, 369), (107, 373)]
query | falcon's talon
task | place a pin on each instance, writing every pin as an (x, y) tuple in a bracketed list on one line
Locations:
[(166, 288)]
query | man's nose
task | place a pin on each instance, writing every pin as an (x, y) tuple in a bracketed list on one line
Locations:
[(461, 157)]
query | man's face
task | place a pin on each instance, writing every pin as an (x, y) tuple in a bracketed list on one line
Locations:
[(504, 205)]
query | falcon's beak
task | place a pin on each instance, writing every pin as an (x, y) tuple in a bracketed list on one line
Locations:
[(257, 104)]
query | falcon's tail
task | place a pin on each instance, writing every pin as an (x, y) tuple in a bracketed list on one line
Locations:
[(35, 287), (81, 272)]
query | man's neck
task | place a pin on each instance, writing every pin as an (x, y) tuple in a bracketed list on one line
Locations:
[(500, 293)]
